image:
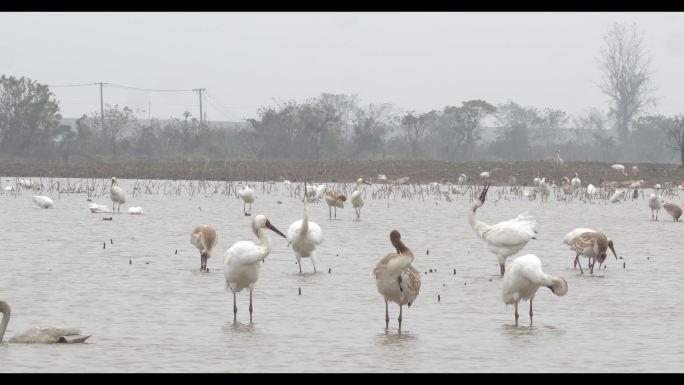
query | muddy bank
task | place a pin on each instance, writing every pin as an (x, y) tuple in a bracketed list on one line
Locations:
[(340, 170)]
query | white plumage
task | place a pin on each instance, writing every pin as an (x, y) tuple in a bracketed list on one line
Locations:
[(655, 204), (504, 238), (576, 182), (247, 196), (356, 198), (618, 196), (304, 236), (243, 260), (43, 201), (462, 179), (97, 208), (619, 168), (135, 210), (524, 276), (39, 334), (117, 195)]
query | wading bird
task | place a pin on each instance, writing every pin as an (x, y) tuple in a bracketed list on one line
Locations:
[(204, 238), (504, 238), (117, 195), (396, 279), (356, 198), (591, 244), (334, 199), (243, 260), (39, 334), (304, 236), (524, 277)]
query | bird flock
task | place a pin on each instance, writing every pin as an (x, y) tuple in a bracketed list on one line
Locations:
[(397, 280)]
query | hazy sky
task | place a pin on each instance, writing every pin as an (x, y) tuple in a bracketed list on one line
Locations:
[(418, 61)]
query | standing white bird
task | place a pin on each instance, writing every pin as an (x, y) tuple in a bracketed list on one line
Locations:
[(39, 334), (334, 199), (462, 179), (655, 205), (576, 182), (504, 238), (320, 192), (396, 279), (242, 261), (591, 190), (591, 244), (304, 236), (247, 196), (544, 190), (524, 278), (117, 195), (619, 168), (204, 238), (635, 170), (356, 198), (484, 175), (43, 201)]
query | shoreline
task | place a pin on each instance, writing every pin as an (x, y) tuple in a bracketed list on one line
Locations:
[(419, 171)]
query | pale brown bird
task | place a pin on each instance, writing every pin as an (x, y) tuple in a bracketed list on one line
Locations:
[(591, 244), (204, 238), (673, 210), (396, 279), (334, 199)]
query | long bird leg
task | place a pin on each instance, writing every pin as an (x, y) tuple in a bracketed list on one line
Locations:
[(250, 306), (386, 315), (335, 212), (400, 308), (330, 212), (579, 263), (503, 269), (234, 309), (592, 267), (530, 311), (300, 266), (516, 314), (313, 262)]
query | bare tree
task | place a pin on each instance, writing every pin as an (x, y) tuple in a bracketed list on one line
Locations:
[(627, 76), (675, 135)]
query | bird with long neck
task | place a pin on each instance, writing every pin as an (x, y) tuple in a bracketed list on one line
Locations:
[(504, 238), (39, 334), (395, 278), (241, 264), (304, 236)]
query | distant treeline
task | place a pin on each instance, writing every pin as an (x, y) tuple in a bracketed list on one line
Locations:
[(329, 126)]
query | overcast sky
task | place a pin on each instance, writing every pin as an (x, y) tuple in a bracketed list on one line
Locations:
[(418, 61)]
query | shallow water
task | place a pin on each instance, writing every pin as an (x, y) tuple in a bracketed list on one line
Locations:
[(159, 313)]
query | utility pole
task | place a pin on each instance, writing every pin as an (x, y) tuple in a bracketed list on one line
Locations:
[(199, 90), (102, 105)]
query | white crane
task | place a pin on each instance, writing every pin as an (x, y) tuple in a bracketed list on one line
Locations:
[(97, 208), (247, 196), (243, 260), (576, 182), (618, 196), (655, 204), (462, 179), (304, 236), (39, 334), (117, 195), (395, 278), (43, 201), (504, 238), (620, 169), (356, 198), (524, 277)]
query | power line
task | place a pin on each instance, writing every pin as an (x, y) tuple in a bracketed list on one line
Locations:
[(146, 89), (72, 85)]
